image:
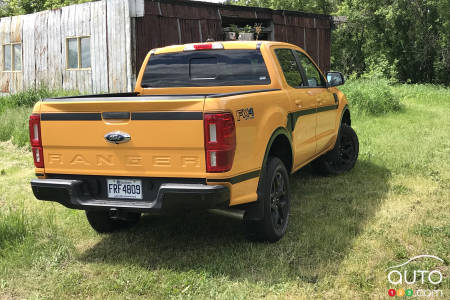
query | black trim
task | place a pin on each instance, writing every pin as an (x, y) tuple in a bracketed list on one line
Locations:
[(336, 98), (241, 93), (116, 115), (293, 116), (136, 97), (39, 174), (327, 108), (71, 117), (119, 97), (158, 196), (131, 94), (238, 178), (178, 115)]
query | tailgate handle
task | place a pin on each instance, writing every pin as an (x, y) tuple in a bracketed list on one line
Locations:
[(116, 115)]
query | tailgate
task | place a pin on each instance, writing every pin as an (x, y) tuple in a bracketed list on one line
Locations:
[(166, 136)]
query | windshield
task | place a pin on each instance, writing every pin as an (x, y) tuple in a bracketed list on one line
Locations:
[(206, 68)]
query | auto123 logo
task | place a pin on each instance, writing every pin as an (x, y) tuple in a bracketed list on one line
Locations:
[(403, 276)]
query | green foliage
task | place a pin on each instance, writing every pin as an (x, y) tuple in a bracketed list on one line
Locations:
[(29, 97), (371, 95), (406, 40), (320, 6), (247, 29), (15, 110), (14, 125), (14, 227), (21, 7)]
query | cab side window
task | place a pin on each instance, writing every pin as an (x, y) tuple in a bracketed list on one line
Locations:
[(312, 74), (290, 68)]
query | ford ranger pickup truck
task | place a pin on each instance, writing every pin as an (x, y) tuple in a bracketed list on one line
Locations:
[(217, 125)]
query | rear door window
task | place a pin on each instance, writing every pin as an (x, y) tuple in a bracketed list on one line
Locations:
[(206, 68), (290, 68)]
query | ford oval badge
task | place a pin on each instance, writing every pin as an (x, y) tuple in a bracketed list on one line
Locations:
[(117, 137)]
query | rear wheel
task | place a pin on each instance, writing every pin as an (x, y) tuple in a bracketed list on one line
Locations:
[(273, 191), (105, 222), (343, 156)]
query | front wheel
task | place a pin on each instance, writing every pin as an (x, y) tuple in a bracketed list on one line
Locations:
[(343, 156), (273, 191)]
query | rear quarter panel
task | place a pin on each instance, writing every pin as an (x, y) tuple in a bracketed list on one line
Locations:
[(253, 132)]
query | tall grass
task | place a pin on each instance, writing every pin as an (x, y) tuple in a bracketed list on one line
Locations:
[(15, 109), (344, 231), (371, 96)]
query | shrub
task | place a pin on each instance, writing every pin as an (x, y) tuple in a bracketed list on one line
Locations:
[(15, 110), (29, 97), (14, 125), (371, 96)]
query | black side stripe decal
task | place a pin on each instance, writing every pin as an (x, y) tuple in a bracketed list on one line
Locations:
[(176, 115), (238, 178), (71, 116), (293, 116), (326, 108), (180, 115)]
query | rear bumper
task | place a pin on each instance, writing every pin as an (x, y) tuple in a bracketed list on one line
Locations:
[(79, 194)]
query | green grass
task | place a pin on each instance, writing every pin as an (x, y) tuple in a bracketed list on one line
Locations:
[(371, 96), (15, 110), (344, 231)]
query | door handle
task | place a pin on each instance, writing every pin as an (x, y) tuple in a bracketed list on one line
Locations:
[(309, 92)]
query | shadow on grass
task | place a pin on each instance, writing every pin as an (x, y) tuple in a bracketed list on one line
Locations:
[(327, 214)]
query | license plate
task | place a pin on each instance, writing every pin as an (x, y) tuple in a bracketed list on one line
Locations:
[(124, 188)]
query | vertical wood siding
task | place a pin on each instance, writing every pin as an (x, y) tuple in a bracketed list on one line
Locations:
[(171, 22), (123, 31), (43, 36)]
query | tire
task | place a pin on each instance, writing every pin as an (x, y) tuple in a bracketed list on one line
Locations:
[(343, 156), (102, 222), (273, 191)]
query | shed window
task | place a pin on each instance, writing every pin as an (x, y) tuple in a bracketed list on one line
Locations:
[(78, 53), (12, 57)]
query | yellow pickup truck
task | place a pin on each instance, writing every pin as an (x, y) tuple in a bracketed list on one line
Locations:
[(217, 125)]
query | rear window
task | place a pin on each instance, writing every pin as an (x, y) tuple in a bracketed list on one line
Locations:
[(206, 68)]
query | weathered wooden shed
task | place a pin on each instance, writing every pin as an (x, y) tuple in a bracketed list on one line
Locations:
[(99, 46)]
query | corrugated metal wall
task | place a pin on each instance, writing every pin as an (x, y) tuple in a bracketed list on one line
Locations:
[(173, 22)]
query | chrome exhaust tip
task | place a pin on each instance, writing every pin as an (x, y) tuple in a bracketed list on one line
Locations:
[(230, 213)]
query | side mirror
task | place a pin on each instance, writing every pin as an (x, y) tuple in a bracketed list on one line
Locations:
[(335, 78)]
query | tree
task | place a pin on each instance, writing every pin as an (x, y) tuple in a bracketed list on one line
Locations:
[(405, 39), (319, 6), (21, 7)]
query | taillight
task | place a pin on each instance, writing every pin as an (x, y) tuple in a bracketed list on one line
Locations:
[(36, 140), (220, 142)]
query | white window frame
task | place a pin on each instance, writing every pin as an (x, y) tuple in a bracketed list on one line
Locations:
[(12, 55), (78, 38)]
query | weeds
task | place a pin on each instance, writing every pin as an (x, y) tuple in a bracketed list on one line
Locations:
[(371, 96), (15, 110)]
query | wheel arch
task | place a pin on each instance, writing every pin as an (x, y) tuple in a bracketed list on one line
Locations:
[(277, 143), (345, 116), (280, 145)]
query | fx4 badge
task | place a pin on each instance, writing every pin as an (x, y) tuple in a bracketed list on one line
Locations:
[(245, 113), (117, 137)]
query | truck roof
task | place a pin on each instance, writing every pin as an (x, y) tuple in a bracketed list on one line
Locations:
[(226, 45)]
